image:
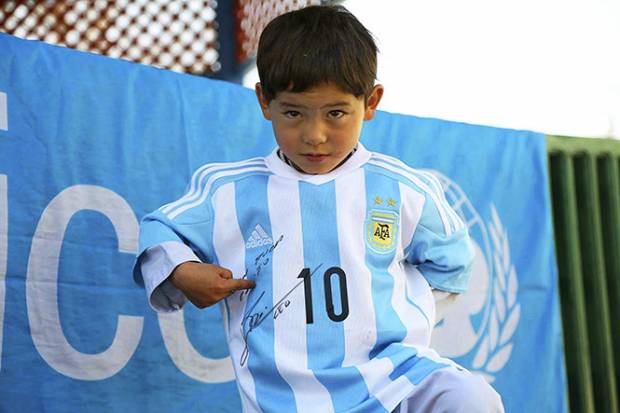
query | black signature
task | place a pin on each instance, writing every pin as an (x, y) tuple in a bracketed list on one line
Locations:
[(266, 252), (260, 261), (255, 319)]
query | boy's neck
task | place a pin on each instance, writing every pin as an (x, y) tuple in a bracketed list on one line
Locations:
[(290, 163)]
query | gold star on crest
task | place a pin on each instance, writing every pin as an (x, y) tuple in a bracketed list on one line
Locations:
[(391, 202), (378, 200)]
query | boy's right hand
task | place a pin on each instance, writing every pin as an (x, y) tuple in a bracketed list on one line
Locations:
[(206, 284)]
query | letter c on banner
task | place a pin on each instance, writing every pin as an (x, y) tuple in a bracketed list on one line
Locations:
[(42, 280), (185, 356)]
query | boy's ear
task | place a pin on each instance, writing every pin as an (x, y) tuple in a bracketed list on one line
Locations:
[(373, 101), (264, 105)]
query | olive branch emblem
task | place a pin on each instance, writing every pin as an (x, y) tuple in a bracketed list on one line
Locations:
[(496, 346)]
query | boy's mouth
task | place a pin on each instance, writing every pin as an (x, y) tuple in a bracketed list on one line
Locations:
[(315, 157)]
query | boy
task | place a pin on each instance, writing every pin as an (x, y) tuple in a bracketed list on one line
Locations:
[(322, 254)]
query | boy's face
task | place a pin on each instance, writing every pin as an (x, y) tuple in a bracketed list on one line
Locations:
[(318, 128)]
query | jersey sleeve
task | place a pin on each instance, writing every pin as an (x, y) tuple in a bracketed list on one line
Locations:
[(168, 237), (441, 247)]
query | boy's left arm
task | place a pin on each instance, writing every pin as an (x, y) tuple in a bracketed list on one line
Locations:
[(443, 259), (441, 247)]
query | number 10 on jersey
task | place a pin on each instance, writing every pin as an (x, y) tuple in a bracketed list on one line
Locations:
[(338, 272)]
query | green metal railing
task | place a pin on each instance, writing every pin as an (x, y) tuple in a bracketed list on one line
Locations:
[(585, 190)]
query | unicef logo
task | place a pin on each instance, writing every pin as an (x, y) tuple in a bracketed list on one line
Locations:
[(481, 323)]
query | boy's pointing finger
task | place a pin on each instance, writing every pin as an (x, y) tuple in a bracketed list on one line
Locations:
[(238, 284)]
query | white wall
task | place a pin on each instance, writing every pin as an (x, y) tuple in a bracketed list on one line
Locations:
[(546, 65)]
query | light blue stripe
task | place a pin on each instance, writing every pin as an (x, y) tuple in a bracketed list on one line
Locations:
[(417, 369), (273, 393), (399, 354), (325, 337), (371, 405), (390, 329)]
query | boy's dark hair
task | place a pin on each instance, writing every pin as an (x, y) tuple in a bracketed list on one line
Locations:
[(317, 44)]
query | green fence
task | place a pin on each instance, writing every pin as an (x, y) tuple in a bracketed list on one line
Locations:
[(585, 189)]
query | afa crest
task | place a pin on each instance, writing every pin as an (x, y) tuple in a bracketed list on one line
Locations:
[(382, 230)]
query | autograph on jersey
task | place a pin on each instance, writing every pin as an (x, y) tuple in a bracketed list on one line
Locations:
[(260, 261), (253, 319)]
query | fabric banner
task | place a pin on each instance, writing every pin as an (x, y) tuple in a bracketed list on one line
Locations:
[(89, 144)]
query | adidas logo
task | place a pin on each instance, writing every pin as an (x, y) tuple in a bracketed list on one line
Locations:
[(258, 238)]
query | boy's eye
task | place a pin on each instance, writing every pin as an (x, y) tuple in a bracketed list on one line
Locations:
[(335, 114), (293, 114)]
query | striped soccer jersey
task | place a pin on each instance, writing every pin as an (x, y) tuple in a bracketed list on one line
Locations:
[(342, 311)]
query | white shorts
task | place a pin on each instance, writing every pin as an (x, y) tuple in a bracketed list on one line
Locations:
[(452, 389)]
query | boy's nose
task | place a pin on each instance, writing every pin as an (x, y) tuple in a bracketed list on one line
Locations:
[(314, 134)]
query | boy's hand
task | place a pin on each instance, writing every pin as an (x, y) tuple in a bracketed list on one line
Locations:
[(206, 284)]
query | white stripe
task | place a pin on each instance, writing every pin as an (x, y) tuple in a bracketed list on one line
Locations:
[(397, 391), (421, 293), (289, 333), (388, 392), (4, 117), (207, 188), (411, 203), (391, 392), (196, 182), (416, 286), (245, 402), (416, 323), (359, 327), (229, 249), (429, 354), (420, 184), (389, 221)]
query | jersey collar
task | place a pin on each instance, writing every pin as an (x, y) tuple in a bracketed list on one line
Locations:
[(281, 168)]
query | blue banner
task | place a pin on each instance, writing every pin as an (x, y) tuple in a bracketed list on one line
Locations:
[(88, 145)]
